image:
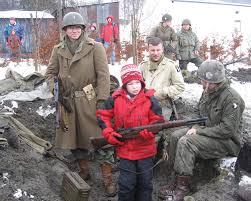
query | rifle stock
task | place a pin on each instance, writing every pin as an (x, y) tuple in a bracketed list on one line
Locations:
[(129, 133)]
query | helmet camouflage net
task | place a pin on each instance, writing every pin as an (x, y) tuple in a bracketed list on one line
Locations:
[(166, 17), (212, 71), (186, 21)]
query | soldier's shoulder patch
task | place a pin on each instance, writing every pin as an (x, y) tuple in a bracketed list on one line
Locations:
[(235, 105)]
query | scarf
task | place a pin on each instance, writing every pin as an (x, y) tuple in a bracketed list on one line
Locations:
[(154, 64)]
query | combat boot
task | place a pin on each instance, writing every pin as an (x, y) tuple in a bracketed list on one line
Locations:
[(110, 186), (84, 169), (182, 188)]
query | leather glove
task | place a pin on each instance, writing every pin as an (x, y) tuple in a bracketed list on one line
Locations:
[(146, 134), (112, 137)]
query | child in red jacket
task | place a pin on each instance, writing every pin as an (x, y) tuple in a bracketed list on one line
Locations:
[(132, 106)]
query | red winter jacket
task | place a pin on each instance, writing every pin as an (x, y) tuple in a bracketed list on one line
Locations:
[(142, 110), (109, 31)]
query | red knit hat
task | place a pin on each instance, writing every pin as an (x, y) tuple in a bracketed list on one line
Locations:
[(130, 72)]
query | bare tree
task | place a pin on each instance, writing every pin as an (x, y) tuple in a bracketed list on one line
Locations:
[(133, 10)]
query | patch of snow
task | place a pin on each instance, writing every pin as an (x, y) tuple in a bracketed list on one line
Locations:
[(44, 112), (41, 92), (18, 193), (228, 163), (245, 180), (14, 104)]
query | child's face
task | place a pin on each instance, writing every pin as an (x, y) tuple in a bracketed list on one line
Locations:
[(134, 87)]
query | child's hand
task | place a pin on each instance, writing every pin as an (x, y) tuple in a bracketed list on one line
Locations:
[(146, 134), (112, 138)]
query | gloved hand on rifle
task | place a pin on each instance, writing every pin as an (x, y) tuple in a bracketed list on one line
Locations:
[(112, 137), (146, 134)]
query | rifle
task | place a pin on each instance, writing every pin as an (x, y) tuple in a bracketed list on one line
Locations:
[(174, 115), (129, 133), (62, 104)]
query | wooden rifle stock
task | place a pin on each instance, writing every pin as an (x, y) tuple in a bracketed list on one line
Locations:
[(129, 133)]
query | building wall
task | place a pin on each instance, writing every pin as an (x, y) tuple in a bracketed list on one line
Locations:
[(27, 46), (97, 13)]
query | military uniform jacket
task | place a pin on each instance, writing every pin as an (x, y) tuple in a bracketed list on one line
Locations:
[(167, 35), (187, 43), (87, 66), (224, 108), (165, 80)]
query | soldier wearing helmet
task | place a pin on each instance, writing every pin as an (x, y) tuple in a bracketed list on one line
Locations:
[(80, 65), (166, 33), (219, 137), (188, 45)]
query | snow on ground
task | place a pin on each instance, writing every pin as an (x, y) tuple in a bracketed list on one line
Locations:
[(245, 180)]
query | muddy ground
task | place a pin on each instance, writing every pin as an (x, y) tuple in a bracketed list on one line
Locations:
[(40, 177)]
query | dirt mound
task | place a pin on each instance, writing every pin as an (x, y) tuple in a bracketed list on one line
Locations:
[(41, 177)]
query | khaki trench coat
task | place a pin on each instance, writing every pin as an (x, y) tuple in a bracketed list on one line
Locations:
[(87, 66), (165, 80)]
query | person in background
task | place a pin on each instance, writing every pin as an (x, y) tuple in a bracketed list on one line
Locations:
[(80, 64), (109, 37), (166, 33), (93, 32), (133, 105), (13, 25), (188, 45), (14, 43), (219, 137)]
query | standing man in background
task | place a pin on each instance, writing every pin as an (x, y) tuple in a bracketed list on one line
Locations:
[(109, 37), (188, 46), (166, 33)]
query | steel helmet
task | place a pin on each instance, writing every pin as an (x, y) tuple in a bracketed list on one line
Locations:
[(166, 17), (186, 21), (212, 71), (73, 18)]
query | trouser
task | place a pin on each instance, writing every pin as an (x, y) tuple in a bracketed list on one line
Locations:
[(132, 186), (183, 63), (111, 57), (184, 149)]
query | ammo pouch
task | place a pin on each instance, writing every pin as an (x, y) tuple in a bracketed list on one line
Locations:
[(89, 92)]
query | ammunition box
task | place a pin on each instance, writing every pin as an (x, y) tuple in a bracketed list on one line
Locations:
[(74, 188)]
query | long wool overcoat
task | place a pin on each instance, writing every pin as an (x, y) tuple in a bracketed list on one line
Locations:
[(87, 66)]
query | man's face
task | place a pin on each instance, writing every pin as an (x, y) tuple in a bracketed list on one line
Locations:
[(73, 32), (155, 52), (207, 86), (167, 24), (186, 27)]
